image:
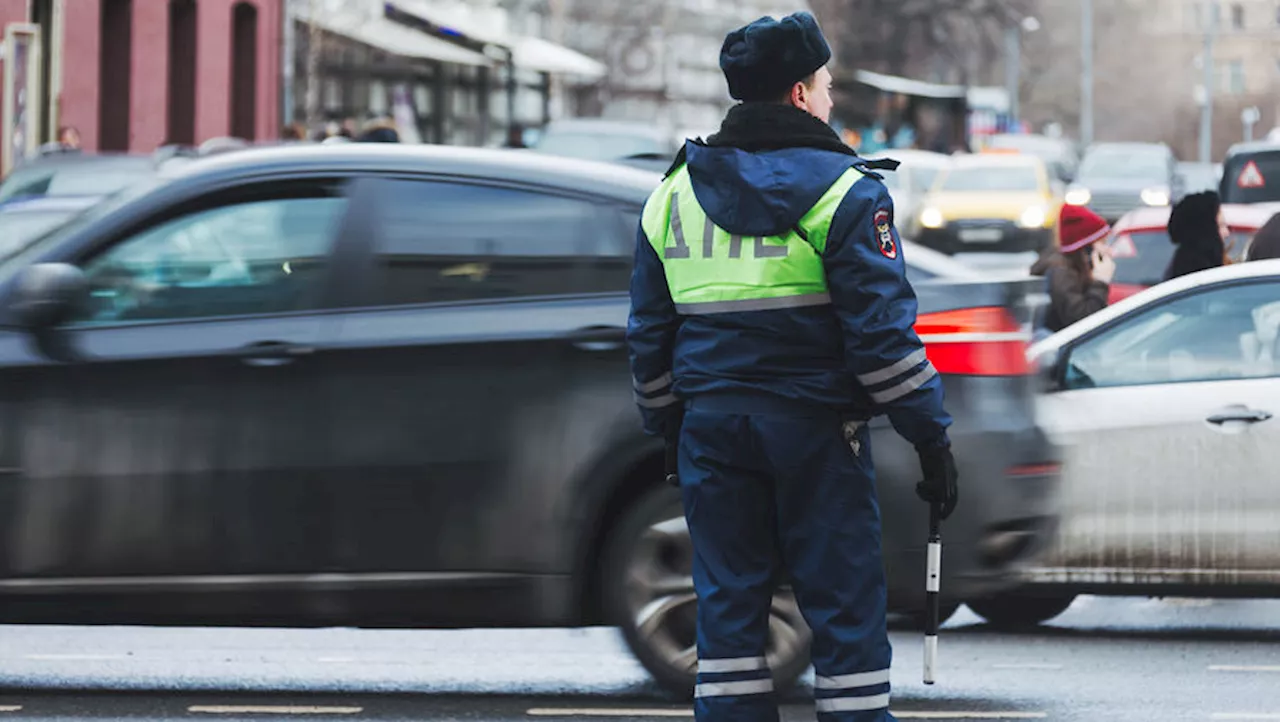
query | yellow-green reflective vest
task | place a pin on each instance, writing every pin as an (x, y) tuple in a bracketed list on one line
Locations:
[(712, 271)]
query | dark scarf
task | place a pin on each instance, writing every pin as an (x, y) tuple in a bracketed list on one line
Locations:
[(757, 127)]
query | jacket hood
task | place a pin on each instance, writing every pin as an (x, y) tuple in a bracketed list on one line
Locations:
[(761, 193)]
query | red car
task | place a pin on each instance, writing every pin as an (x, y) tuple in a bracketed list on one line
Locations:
[(1142, 249)]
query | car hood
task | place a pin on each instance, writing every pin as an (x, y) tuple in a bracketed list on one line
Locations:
[(1131, 185), (985, 204)]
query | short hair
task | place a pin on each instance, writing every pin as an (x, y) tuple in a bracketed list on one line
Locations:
[(785, 97)]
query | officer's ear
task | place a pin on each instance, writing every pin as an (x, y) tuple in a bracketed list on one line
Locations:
[(800, 92)]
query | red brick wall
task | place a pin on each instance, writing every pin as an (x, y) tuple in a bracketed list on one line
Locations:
[(150, 69), (81, 42)]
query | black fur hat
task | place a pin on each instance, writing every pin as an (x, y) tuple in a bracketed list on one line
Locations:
[(762, 60)]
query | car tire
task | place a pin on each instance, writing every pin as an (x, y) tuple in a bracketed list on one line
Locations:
[(647, 591), (1019, 610)]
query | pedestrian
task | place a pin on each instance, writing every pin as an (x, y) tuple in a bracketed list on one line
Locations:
[(770, 320), (379, 130), (1079, 272), (294, 132), (69, 137), (1266, 242), (1199, 230)]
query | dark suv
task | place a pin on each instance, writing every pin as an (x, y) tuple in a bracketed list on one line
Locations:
[(386, 386)]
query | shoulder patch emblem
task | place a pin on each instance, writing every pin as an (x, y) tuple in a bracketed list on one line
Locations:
[(884, 235)]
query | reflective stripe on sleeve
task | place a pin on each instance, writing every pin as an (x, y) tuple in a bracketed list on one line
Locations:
[(893, 393), (732, 689), (754, 304), (852, 681), (852, 704), (892, 370), (736, 664), (658, 402), (657, 384)]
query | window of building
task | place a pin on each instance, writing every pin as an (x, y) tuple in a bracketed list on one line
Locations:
[(244, 70), (1237, 16), (449, 242), (1235, 77), (258, 257)]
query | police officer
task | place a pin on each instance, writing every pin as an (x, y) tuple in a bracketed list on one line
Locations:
[(771, 319)]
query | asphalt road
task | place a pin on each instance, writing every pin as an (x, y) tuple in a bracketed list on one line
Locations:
[(1104, 659)]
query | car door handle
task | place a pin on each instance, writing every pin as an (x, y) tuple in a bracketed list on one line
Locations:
[(1241, 414), (273, 353), (598, 338)]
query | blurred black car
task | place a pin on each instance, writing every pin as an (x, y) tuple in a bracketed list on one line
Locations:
[(387, 386), (1115, 178)]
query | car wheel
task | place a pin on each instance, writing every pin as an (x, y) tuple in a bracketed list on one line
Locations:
[(1017, 610), (648, 592)]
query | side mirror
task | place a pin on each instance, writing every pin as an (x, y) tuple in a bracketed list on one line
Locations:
[(1049, 371), (47, 294)]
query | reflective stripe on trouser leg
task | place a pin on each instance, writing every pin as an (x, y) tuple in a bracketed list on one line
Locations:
[(829, 528), (728, 501)]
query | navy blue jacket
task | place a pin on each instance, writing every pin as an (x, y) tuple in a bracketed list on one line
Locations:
[(859, 355)]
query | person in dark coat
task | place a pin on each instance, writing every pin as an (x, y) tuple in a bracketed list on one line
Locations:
[(1079, 272), (380, 130), (1266, 242), (1197, 228)]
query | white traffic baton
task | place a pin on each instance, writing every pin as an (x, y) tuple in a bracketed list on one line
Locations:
[(932, 587)]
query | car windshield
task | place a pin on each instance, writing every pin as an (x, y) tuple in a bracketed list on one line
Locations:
[(1135, 163), (599, 146), (19, 229), (1252, 178), (991, 178), (74, 220)]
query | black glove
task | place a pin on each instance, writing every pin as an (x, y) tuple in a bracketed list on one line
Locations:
[(940, 477)]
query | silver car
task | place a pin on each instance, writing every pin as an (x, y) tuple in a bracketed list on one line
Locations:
[(1165, 406)]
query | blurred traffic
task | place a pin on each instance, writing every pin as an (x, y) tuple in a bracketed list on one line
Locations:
[(368, 369)]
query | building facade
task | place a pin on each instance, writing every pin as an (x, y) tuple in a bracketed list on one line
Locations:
[(132, 75)]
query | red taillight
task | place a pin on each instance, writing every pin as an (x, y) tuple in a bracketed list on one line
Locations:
[(1024, 470), (985, 341)]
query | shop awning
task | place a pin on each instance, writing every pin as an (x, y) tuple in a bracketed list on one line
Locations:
[(484, 27), (532, 53), (395, 38), (907, 86)]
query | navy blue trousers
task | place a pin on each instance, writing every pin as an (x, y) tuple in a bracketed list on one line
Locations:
[(757, 487)]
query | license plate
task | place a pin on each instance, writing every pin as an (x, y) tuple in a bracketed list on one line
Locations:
[(981, 235)]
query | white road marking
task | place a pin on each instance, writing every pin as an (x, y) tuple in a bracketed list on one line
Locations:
[(1026, 666), (75, 657), (270, 709), (969, 715), (1246, 715), (606, 712), (336, 660), (652, 713), (11, 708), (1243, 668)]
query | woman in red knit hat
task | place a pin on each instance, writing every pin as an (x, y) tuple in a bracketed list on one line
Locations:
[(1079, 271)]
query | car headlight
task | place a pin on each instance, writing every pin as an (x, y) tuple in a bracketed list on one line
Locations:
[(1155, 197), (932, 218), (1078, 197), (1033, 217)]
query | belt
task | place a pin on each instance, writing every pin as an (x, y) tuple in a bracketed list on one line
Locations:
[(741, 403)]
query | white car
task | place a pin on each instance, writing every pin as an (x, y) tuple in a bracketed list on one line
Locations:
[(1167, 409)]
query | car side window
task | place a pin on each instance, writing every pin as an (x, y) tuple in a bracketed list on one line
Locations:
[(251, 257), (1218, 334), (445, 242)]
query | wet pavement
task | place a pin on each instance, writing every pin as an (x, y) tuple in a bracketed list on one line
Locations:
[(1104, 659)]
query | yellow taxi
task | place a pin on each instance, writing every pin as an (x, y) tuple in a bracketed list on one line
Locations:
[(990, 203)]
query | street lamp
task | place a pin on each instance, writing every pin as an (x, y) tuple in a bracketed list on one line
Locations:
[(1013, 60)]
